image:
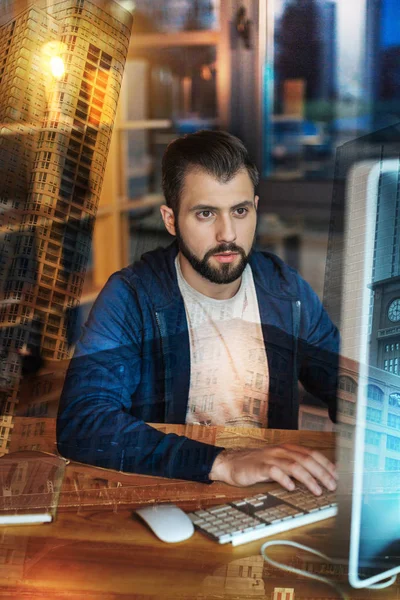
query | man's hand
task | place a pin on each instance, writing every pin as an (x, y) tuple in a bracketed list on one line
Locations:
[(275, 463)]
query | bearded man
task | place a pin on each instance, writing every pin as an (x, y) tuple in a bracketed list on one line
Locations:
[(206, 331)]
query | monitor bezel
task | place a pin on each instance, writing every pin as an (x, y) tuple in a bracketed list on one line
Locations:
[(369, 171)]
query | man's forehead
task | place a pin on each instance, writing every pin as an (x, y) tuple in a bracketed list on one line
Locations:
[(199, 186)]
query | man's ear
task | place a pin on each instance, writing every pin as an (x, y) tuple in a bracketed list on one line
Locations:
[(256, 199), (169, 218)]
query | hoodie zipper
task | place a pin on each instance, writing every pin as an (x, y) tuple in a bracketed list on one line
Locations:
[(161, 334), (296, 310), (161, 329)]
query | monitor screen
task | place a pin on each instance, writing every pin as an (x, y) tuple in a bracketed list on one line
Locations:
[(369, 380)]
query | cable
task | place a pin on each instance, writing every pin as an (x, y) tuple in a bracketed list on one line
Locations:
[(384, 584), (290, 569), (274, 563)]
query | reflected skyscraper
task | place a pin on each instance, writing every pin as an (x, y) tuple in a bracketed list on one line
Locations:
[(61, 66)]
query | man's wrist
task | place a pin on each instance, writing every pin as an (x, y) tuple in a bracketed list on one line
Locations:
[(218, 467)]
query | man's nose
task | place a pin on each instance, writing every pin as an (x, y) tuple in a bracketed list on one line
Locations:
[(226, 231)]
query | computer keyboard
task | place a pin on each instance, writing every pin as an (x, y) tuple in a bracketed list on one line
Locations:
[(263, 515)]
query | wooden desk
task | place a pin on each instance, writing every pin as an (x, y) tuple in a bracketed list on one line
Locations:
[(97, 549)]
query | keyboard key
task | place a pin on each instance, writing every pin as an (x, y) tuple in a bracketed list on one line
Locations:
[(210, 529), (218, 509)]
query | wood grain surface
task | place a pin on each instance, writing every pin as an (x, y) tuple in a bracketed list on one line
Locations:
[(97, 549)]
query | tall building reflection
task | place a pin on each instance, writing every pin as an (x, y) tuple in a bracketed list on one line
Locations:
[(60, 76)]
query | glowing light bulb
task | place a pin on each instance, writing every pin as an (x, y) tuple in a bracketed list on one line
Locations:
[(57, 66)]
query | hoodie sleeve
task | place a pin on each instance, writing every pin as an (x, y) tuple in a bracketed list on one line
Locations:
[(94, 423), (318, 349)]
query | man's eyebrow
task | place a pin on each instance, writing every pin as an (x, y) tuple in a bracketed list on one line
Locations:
[(244, 204)]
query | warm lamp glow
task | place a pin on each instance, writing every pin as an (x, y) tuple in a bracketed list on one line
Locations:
[(53, 66), (57, 66)]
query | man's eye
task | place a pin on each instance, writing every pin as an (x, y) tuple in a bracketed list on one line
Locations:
[(204, 214), (241, 212)]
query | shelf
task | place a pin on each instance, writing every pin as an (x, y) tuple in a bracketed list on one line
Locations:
[(171, 40), (148, 201), (145, 124)]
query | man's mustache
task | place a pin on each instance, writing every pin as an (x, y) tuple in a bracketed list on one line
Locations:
[(225, 248)]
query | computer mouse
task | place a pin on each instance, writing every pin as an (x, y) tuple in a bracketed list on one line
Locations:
[(168, 522)]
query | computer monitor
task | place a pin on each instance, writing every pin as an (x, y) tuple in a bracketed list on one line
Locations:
[(368, 254)]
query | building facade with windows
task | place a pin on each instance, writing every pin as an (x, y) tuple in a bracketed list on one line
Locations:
[(61, 73)]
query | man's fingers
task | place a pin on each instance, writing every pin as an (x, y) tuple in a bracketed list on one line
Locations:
[(319, 472), (318, 456), (325, 462), (320, 466), (299, 472), (281, 470), (275, 473)]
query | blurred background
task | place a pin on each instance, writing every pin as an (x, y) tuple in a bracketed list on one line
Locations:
[(294, 79)]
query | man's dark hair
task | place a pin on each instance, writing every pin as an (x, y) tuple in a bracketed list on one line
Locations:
[(218, 153)]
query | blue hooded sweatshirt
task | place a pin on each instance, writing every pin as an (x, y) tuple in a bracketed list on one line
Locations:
[(131, 366)]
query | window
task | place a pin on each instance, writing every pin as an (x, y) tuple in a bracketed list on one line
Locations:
[(256, 406), (259, 381), (347, 408), (372, 437), (314, 422), (374, 415), (393, 443), (46, 158), (374, 393), (393, 421), (42, 177), (394, 399), (347, 384), (12, 314), (249, 378), (371, 461), (14, 368), (391, 464), (54, 120)]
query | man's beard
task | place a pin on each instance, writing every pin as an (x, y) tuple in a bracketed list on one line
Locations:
[(226, 272)]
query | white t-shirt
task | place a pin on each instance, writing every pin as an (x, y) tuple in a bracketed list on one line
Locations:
[(229, 377)]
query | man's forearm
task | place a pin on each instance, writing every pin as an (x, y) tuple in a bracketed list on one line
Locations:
[(116, 440)]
